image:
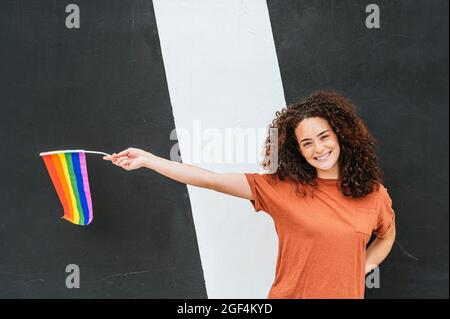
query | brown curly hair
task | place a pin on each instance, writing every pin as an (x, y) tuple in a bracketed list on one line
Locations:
[(358, 162)]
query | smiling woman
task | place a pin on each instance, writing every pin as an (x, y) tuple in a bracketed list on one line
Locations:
[(325, 150)]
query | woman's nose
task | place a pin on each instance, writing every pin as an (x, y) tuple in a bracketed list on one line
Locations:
[(319, 148)]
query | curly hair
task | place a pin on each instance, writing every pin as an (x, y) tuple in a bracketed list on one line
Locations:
[(358, 162)]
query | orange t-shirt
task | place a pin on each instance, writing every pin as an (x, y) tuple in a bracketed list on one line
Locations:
[(322, 236)]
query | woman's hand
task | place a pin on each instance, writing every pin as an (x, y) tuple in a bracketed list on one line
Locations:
[(130, 159)]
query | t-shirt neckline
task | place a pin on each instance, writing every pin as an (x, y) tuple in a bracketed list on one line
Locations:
[(327, 181)]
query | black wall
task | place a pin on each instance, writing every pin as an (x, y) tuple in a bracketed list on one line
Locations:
[(398, 77), (100, 87)]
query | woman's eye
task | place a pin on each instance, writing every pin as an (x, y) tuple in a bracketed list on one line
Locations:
[(306, 144), (324, 136)]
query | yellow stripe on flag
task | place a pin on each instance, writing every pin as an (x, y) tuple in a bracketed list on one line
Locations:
[(76, 213)]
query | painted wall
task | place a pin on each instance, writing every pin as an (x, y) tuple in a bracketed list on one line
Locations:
[(137, 70)]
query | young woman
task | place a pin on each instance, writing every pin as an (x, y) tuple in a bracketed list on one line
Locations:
[(326, 197)]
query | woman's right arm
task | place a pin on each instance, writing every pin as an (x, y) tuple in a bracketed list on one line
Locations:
[(234, 184)]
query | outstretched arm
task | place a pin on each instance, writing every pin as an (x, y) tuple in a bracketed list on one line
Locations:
[(234, 184)]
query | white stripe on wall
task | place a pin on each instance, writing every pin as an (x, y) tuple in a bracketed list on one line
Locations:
[(222, 70)]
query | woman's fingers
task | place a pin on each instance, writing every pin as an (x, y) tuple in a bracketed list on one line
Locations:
[(124, 153), (125, 164), (120, 160), (113, 157), (110, 157)]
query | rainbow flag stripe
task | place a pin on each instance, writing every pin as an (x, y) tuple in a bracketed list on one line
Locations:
[(68, 172)]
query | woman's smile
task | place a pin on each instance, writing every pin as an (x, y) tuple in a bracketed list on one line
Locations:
[(323, 158)]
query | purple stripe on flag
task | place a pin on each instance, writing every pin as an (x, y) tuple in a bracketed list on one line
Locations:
[(87, 190)]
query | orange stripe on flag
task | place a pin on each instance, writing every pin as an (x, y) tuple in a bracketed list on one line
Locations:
[(56, 182), (65, 187)]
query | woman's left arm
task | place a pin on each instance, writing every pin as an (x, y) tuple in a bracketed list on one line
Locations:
[(379, 249)]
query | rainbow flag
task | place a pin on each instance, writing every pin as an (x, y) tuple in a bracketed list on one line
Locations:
[(68, 172)]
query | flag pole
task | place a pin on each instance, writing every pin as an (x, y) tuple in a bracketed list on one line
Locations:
[(97, 152), (73, 151)]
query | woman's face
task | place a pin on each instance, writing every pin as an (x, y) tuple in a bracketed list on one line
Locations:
[(319, 146)]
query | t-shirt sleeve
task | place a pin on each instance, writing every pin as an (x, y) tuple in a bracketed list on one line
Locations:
[(262, 191), (386, 214)]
